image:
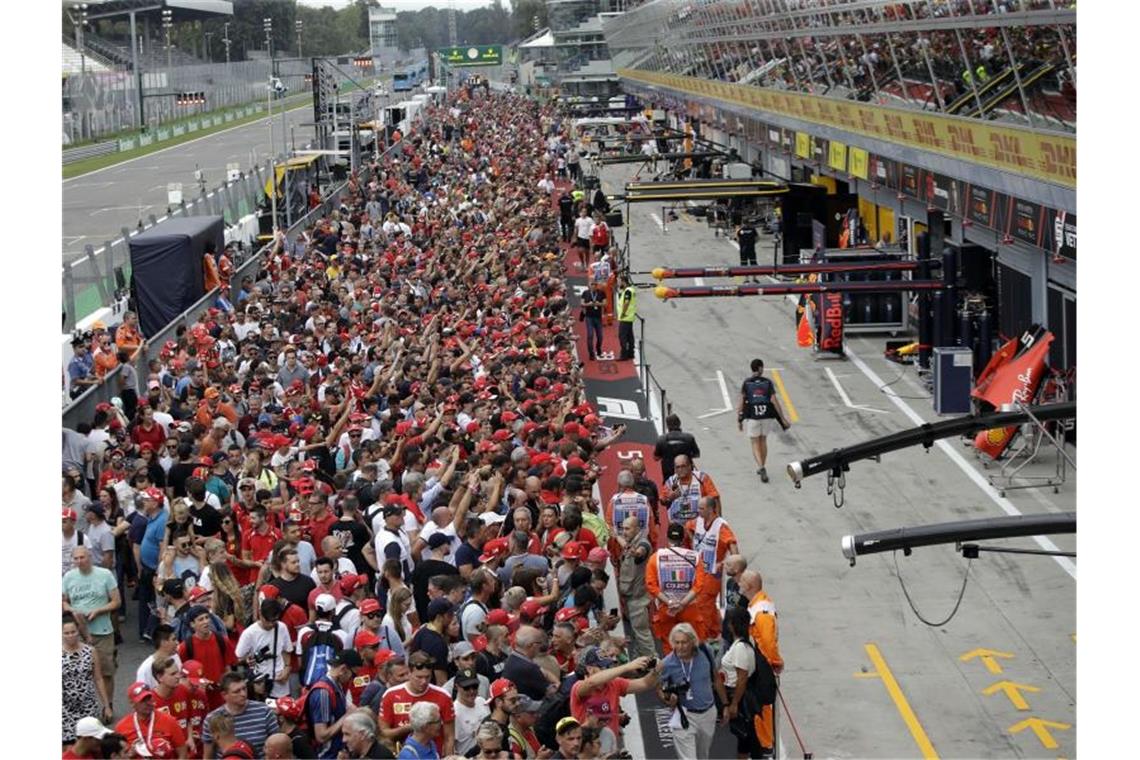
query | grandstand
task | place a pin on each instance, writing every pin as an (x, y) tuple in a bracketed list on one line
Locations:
[(1008, 61)]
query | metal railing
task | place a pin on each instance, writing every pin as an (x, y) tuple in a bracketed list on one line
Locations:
[(89, 282), (649, 382), (82, 409)]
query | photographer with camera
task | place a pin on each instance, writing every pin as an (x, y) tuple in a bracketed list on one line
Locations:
[(687, 686), (264, 646)]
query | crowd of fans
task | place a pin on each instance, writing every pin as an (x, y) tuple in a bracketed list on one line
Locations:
[(356, 512), (867, 65)]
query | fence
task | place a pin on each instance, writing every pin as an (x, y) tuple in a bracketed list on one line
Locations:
[(82, 409), (102, 103), (89, 282), (649, 383)]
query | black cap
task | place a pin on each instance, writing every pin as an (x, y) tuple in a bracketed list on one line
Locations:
[(466, 677), (676, 532), (349, 657), (438, 539)]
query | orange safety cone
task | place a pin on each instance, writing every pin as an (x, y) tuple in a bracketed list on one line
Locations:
[(805, 336)]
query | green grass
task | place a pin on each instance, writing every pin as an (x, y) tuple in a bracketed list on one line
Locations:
[(86, 166)]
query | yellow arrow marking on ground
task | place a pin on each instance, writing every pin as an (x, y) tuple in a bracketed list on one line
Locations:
[(987, 656), (901, 703), (1013, 691), (1041, 728), (788, 406)]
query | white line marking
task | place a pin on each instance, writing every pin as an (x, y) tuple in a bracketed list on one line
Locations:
[(657, 219), (843, 394), (699, 282), (723, 394), (1005, 504)]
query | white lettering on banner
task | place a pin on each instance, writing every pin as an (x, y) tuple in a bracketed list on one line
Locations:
[(580, 289), (618, 407), (628, 454)]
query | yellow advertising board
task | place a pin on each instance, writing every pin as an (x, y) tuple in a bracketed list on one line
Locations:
[(803, 145), (837, 156), (1041, 155), (857, 161)]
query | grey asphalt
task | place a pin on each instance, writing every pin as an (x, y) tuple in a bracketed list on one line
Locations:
[(98, 204), (834, 618)]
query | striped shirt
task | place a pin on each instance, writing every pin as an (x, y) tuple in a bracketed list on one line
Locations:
[(253, 726)]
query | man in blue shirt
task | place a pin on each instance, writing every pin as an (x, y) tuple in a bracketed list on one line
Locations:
[(327, 703), (691, 664), (79, 369), (150, 548)]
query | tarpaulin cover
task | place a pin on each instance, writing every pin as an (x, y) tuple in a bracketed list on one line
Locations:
[(166, 267)]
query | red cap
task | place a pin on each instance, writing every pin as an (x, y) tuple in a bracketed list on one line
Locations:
[(591, 420), (351, 582), (154, 493), (194, 672), (269, 592), (500, 687), (239, 749), (576, 461), (508, 417), (369, 606), (531, 609), (502, 434), (197, 592), (289, 708), (365, 638), (494, 548), (138, 691), (382, 656), (479, 642), (69, 514), (472, 427), (574, 550), (572, 428)]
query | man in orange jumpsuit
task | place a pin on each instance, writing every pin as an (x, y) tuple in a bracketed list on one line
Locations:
[(682, 590), (711, 537), (684, 489), (764, 636)]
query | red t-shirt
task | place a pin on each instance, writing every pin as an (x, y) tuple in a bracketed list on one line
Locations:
[(365, 675), (199, 708), (176, 706), (319, 528), (601, 703), (335, 592), (214, 662), (261, 545), (396, 707), (164, 726), (155, 436)]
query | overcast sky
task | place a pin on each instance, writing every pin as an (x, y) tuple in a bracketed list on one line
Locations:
[(409, 5)]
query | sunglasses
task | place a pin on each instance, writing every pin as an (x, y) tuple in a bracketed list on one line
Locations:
[(371, 614)]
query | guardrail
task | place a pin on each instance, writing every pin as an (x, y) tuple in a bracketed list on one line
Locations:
[(82, 153), (82, 409)]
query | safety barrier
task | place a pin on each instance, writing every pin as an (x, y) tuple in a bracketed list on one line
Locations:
[(649, 383), (94, 150), (82, 409), (89, 282)]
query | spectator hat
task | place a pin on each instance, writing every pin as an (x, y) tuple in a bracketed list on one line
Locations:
[(598, 555), (194, 672), (500, 687), (350, 582), (438, 539), (462, 649), (69, 514), (532, 609), (290, 709), (494, 548), (348, 657), (325, 602), (528, 705), (139, 691), (438, 607), (574, 550), (365, 638), (491, 518), (676, 531), (173, 587), (369, 606), (239, 749), (466, 678), (91, 728)]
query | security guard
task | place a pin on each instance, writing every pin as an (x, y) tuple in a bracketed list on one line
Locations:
[(627, 312), (757, 407)]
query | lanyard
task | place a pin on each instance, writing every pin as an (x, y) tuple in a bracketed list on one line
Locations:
[(150, 730)]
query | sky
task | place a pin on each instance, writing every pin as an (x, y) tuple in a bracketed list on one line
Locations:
[(407, 5)]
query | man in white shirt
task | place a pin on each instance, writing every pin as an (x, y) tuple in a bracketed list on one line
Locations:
[(268, 636), (545, 184)]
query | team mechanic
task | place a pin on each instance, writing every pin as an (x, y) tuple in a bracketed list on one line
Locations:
[(758, 406)]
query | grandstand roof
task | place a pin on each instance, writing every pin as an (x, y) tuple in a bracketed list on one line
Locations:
[(193, 10)]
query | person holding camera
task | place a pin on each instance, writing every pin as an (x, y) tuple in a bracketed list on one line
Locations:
[(595, 699), (263, 646), (687, 686)]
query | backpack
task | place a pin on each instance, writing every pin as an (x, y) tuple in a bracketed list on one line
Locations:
[(462, 609), (554, 708), (217, 637), (303, 722), (320, 647), (761, 688), (340, 616)]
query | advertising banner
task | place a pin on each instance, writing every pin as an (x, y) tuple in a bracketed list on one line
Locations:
[(1040, 155)]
